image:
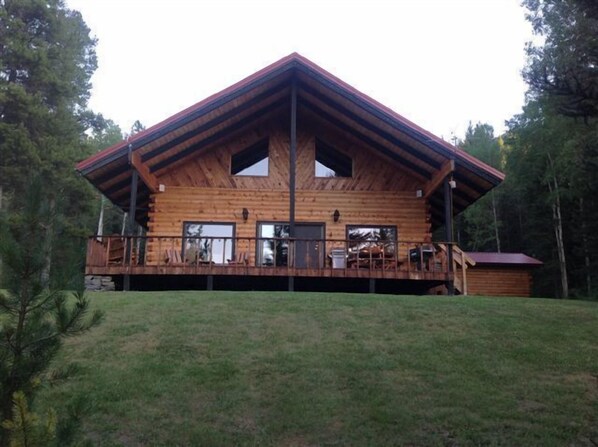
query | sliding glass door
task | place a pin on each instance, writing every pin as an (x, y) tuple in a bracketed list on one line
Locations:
[(273, 245)]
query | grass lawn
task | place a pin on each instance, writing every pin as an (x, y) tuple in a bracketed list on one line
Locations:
[(248, 368)]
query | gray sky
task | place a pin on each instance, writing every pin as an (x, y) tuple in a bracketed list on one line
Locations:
[(439, 63)]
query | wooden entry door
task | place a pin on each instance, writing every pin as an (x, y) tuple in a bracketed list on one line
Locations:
[(309, 246)]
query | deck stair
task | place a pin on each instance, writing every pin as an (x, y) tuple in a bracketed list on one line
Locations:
[(461, 262)]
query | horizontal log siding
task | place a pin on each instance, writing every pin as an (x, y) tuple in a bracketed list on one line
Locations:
[(178, 204), (499, 281)]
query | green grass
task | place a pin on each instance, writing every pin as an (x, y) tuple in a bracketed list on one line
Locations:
[(246, 368)]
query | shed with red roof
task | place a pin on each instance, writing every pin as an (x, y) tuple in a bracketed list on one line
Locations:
[(501, 274)]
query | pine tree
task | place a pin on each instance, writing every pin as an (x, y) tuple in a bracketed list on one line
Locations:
[(480, 224), (46, 60), (35, 313), (564, 65)]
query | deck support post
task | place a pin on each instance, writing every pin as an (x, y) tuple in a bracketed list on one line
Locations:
[(448, 224), (210, 282), (291, 283), (372, 285), (131, 224)]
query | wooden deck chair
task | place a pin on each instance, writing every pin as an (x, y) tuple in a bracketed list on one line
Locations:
[(116, 253), (173, 256), (242, 259)]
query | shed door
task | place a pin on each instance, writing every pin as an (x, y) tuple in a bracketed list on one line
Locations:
[(309, 248)]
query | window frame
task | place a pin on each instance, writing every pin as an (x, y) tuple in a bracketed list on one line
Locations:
[(196, 222), (259, 241), (259, 145), (393, 227), (322, 145)]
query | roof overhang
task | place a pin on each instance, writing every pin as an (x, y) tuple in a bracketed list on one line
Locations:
[(504, 259), (263, 95)]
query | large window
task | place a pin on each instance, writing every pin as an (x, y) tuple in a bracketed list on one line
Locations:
[(252, 161), (273, 245), (366, 237), (332, 163), (205, 242)]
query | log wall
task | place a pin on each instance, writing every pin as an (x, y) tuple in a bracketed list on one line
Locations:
[(179, 204), (499, 281)]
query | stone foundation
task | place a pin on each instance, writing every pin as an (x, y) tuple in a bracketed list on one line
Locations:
[(99, 283)]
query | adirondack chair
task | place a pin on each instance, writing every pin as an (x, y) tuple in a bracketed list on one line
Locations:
[(173, 257), (242, 259)]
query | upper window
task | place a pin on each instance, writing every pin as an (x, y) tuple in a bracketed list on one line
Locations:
[(208, 242), (252, 161), (332, 163)]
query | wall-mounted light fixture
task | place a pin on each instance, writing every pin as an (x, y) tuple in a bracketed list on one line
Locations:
[(419, 193), (336, 215), (245, 214), (452, 184)]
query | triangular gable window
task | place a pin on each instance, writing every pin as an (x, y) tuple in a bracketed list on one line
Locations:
[(332, 163), (252, 161)]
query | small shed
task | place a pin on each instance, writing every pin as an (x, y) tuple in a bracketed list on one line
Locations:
[(501, 274)]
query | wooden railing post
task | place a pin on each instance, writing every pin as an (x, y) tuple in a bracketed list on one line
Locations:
[(464, 272)]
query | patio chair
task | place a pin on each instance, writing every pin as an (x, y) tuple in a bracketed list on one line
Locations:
[(242, 259), (173, 257)]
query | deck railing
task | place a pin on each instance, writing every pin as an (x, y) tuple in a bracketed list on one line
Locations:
[(266, 253)]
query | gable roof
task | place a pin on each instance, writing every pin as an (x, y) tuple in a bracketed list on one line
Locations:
[(503, 258), (267, 92)]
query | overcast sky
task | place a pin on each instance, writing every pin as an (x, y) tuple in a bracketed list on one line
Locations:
[(439, 63)]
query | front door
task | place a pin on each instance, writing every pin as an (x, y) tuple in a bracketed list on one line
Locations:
[(309, 245)]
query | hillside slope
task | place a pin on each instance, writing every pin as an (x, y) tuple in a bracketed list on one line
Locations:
[(249, 368)]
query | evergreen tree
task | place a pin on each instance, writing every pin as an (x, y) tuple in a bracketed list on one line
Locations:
[(479, 225), (137, 127), (550, 205), (551, 188), (105, 133), (46, 60), (565, 64), (35, 313)]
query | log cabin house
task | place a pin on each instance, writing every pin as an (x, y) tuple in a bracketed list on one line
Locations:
[(289, 178)]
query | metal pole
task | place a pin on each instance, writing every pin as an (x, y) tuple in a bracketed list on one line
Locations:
[(131, 224), (133, 204), (293, 159), (292, 169), (372, 285), (448, 224)]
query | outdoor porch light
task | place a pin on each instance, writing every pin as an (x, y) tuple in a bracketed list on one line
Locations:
[(336, 216), (245, 214)]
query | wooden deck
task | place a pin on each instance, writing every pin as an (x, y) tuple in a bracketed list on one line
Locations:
[(224, 270), (116, 255)]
